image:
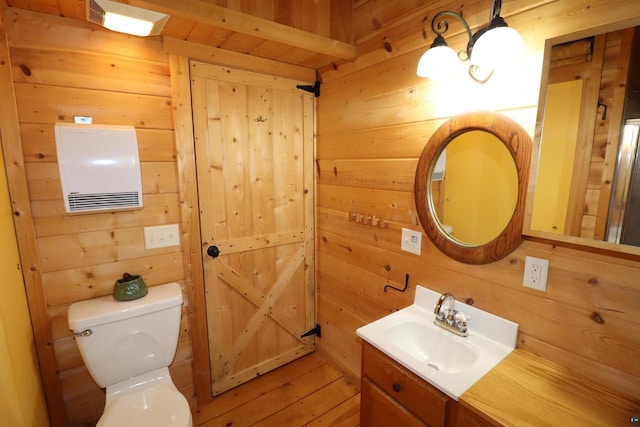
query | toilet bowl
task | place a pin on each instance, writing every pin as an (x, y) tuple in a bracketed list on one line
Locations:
[(147, 400), (127, 347)]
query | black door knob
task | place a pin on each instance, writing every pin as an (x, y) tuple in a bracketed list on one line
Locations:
[(213, 251)]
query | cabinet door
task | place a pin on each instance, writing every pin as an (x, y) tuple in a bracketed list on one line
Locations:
[(415, 394), (377, 409), (466, 418)]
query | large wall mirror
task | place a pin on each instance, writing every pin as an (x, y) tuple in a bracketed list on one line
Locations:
[(585, 182), (470, 186)]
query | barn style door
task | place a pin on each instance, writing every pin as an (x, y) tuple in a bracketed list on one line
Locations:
[(254, 159)]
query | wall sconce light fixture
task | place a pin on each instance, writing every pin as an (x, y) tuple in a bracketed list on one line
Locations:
[(487, 48), (125, 18)]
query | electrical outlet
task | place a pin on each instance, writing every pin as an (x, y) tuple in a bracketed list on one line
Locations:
[(161, 236), (535, 273), (411, 241)]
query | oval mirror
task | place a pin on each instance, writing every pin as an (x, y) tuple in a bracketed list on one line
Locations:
[(476, 198), (470, 186)]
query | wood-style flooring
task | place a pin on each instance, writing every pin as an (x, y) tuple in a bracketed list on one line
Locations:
[(305, 392)]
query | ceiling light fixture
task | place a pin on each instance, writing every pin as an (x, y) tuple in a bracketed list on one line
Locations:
[(487, 48), (125, 18)]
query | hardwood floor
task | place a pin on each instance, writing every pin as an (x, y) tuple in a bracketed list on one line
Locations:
[(306, 392)]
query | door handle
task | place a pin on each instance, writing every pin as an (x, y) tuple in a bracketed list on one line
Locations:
[(213, 251)]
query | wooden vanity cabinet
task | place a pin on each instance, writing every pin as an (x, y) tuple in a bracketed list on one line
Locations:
[(468, 418), (393, 396)]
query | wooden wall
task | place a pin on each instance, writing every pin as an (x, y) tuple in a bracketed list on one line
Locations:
[(374, 118), (63, 68), (315, 16)]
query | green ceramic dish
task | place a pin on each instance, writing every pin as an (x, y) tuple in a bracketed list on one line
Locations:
[(130, 287)]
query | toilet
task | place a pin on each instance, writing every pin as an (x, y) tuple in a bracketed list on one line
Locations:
[(127, 347)]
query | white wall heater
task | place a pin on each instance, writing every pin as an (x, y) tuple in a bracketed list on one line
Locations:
[(99, 167)]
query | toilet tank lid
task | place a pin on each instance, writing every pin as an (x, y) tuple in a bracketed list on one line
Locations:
[(98, 311)]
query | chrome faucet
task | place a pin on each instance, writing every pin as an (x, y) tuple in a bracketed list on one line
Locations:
[(449, 318)]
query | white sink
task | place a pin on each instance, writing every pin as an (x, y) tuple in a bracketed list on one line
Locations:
[(449, 362), (428, 344)]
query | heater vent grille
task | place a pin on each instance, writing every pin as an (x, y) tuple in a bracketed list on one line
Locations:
[(103, 201), (95, 13)]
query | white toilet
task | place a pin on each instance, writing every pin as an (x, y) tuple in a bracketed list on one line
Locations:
[(128, 347)]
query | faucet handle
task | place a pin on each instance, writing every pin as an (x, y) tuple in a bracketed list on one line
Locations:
[(461, 316), (460, 321)]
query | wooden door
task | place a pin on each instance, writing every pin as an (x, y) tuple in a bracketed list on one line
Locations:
[(254, 160)]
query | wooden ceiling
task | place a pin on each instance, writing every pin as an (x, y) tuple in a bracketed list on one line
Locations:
[(207, 23)]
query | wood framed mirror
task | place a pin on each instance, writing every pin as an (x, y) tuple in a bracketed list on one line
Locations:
[(471, 200), (585, 183)]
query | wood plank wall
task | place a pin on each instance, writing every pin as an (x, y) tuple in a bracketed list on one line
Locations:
[(63, 68), (374, 118), (327, 18)]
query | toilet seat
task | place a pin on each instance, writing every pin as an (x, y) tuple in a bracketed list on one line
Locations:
[(140, 402)]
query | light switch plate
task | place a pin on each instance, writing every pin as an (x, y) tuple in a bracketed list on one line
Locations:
[(411, 241), (161, 236)]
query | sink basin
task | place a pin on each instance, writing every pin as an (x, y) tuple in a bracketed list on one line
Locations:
[(449, 362), (433, 346)]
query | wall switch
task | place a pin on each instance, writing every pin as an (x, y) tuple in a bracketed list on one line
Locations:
[(161, 236), (411, 241), (535, 273)]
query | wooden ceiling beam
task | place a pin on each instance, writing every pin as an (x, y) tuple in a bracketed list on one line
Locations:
[(217, 16)]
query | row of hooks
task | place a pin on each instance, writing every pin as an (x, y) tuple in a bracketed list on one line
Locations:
[(366, 219)]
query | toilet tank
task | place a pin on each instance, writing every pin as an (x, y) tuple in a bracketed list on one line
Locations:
[(122, 339)]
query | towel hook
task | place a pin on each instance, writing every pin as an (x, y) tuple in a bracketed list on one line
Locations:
[(406, 285), (604, 112)]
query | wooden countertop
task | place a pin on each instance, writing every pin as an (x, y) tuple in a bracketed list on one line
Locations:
[(527, 390)]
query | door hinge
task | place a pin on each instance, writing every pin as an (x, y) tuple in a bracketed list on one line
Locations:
[(314, 89), (317, 330)]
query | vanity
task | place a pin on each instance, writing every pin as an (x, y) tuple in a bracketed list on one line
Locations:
[(416, 374), (417, 362)]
